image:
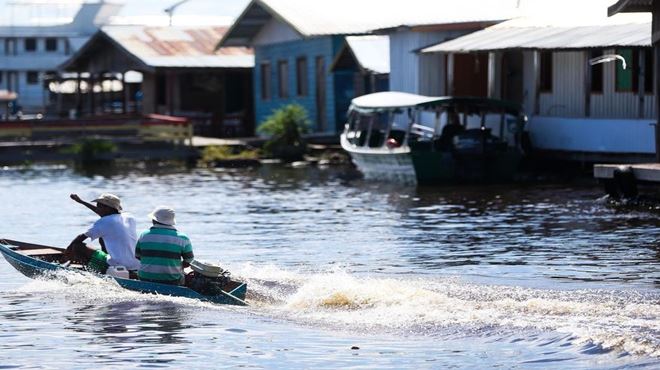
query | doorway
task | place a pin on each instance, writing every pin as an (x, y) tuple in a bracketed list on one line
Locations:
[(470, 75), (512, 76)]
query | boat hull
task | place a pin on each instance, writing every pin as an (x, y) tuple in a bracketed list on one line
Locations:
[(445, 167), (434, 167), (382, 164), (390, 167), (35, 268)]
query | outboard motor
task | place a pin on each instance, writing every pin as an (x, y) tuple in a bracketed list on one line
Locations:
[(207, 278)]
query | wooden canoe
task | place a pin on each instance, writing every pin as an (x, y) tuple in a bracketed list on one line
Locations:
[(39, 261)]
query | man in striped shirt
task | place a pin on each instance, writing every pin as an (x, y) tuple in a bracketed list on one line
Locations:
[(163, 251)]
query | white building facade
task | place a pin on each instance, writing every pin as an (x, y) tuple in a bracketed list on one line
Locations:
[(570, 78), (28, 54)]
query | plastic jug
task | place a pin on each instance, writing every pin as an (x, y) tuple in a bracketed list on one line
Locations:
[(118, 271)]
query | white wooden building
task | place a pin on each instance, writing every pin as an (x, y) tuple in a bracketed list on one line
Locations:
[(578, 109), (29, 53), (425, 73)]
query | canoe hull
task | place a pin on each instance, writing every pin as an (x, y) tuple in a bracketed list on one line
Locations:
[(36, 268)]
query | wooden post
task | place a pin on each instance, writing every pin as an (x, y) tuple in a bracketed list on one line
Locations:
[(79, 103), (103, 95), (537, 82), (90, 92), (124, 94), (450, 74), (588, 77), (59, 96), (491, 74)]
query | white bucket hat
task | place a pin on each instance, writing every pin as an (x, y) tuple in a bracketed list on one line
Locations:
[(163, 215), (109, 200)]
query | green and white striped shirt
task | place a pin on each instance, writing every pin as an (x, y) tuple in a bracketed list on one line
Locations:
[(161, 249)]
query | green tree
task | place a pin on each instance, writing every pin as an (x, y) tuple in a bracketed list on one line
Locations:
[(285, 128)]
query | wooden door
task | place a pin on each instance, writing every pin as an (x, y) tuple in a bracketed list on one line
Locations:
[(470, 75)]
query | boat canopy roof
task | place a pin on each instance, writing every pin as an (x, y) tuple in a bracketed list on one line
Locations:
[(390, 100), (393, 100)]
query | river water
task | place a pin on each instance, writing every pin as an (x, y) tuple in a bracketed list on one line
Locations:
[(343, 273)]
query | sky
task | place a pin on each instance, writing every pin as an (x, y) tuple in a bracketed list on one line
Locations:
[(210, 12), (42, 12)]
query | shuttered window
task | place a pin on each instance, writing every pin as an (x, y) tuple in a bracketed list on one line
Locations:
[(624, 77), (265, 81), (283, 78), (301, 77)]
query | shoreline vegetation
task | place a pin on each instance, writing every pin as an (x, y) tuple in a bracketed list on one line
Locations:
[(282, 140)]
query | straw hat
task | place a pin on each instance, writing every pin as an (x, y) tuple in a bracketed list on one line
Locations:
[(163, 215), (109, 200)]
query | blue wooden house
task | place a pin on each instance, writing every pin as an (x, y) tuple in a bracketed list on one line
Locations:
[(295, 46)]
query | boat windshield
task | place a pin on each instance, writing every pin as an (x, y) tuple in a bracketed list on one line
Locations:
[(431, 119)]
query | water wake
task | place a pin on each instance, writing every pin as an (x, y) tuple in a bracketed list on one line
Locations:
[(84, 288), (613, 320)]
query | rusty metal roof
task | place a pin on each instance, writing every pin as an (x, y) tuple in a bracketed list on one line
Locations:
[(185, 47), (621, 30)]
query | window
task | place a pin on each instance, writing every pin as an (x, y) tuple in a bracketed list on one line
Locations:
[(51, 44), (624, 77), (10, 46), (32, 77), (30, 44), (283, 78), (546, 71), (596, 73), (301, 77), (265, 81)]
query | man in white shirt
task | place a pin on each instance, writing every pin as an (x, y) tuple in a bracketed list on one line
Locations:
[(116, 232)]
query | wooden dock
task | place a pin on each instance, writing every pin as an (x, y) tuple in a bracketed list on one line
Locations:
[(648, 172)]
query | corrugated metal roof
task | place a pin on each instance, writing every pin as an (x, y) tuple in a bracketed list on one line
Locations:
[(371, 52), (361, 16), (179, 46), (343, 17), (556, 33)]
